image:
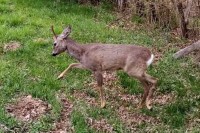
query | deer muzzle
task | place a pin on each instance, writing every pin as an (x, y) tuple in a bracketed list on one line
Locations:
[(54, 54)]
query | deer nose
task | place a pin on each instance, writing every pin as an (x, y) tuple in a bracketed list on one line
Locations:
[(54, 54)]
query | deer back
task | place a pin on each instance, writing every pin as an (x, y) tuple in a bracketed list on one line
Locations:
[(113, 56)]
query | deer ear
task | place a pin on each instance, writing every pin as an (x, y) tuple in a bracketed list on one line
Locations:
[(66, 32)]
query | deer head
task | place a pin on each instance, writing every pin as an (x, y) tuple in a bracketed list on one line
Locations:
[(60, 41)]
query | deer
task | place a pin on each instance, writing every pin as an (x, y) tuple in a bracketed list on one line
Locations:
[(97, 58)]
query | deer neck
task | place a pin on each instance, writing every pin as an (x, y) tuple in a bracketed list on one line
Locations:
[(74, 49)]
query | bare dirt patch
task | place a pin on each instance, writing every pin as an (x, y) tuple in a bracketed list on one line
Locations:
[(119, 99), (115, 96), (123, 104), (63, 124), (192, 124), (132, 99), (110, 86), (132, 120), (27, 108), (109, 79), (83, 96), (127, 100), (163, 99), (12, 46), (100, 125)]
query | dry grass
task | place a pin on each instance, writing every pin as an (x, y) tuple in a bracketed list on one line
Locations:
[(12, 46)]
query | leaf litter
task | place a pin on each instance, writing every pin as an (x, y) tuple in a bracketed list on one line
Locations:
[(27, 108), (121, 103), (83, 96), (133, 119), (100, 125), (63, 124)]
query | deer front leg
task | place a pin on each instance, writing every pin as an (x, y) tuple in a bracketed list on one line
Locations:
[(99, 79), (76, 65)]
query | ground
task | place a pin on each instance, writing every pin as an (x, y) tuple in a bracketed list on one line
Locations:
[(33, 100)]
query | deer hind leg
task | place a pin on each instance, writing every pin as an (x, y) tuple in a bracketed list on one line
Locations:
[(145, 94), (73, 65), (139, 74), (153, 81), (99, 79)]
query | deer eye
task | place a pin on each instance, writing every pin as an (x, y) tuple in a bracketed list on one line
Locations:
[(54, 44)]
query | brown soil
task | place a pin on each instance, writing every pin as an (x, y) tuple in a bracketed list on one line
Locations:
[(100, 125), (114, 93), (163, 99), (27, 108), (192, 124), (121, 102), (132, 99), (133, 119), (109, 79), (63, 124), (12, 46), (83, 96)]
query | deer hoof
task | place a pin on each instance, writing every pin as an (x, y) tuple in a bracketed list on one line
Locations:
[(103, 104), (148, 104), (60, 77), (149, 107)]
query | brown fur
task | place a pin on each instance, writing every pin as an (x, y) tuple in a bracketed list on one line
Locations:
[(131, 59)]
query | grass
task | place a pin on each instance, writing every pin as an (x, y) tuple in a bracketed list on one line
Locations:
[(32, 70)]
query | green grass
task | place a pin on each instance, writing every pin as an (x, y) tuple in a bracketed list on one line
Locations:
[(32, 70)]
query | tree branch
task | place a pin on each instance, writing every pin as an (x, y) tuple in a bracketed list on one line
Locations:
[(187, 50)]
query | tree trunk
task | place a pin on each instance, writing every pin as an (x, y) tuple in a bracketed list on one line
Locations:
[(95, 2), (140, 8), (198, 7), (152, 13), (122, 4), (187, 10), (187, 50), (183, 24)]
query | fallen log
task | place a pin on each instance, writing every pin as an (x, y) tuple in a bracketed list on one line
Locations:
[(187, 50)]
